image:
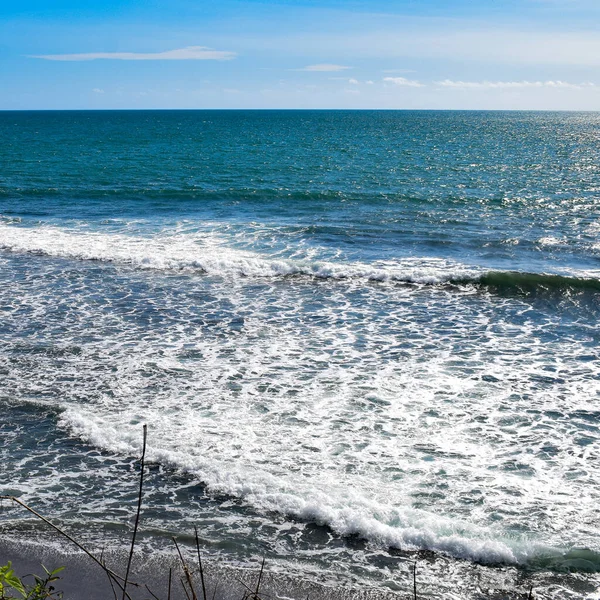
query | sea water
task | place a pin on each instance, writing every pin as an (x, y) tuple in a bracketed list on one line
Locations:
[(357, 338)]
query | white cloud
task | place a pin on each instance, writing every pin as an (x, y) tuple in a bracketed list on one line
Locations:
[(447, 39), (353, 81), (98, 91), (188, 53), (402, 81), (504, 85), (324, 68), (369, 82)]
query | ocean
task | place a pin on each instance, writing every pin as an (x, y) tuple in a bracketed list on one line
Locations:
[(359, 340)]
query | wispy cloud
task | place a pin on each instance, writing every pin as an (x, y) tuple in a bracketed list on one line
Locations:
[(188, 53), (464, 41), (504, 85), (324, 68), (402, 81), (98, 91)]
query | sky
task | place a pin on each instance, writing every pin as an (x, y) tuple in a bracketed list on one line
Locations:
[(386, 54)]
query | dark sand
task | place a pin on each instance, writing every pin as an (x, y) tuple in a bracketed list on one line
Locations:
[(83, 579)]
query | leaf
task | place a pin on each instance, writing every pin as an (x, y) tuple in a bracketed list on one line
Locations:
[(52, 575), (8, 577)]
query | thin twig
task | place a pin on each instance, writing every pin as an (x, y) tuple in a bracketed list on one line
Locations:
[(151, 592), (215, 590), (200, 563), (169, 588), (112, 587), (530, 597), (250, 593), (111, 573), (415, 580), (262, 568), (137, 516), (184, 588), (186, 571)]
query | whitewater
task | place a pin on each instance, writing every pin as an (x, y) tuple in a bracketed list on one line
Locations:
[(345, 383)]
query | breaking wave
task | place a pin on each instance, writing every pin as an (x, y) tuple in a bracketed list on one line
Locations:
[(346, 512), (207, 254)]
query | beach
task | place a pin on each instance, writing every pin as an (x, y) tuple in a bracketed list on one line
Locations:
[(358, 339)]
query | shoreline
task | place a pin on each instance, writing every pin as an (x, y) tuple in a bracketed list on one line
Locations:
[(28, 544), (438, 577), (82, 579)]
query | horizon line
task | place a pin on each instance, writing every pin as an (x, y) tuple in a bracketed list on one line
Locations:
[(573, 110)]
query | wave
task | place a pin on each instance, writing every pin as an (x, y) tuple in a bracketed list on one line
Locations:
[(165, 195), (208, 254), (346, 512), (529, 283)]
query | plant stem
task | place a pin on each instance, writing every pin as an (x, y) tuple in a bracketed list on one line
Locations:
[(137, 516)]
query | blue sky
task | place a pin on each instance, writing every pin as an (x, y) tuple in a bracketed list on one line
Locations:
[(455, 54)]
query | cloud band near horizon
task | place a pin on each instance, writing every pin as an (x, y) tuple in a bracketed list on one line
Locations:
[(489, 85), (187, 53), (323, 68), (507, 85)]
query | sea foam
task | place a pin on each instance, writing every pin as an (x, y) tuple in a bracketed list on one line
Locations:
[(208, 254), (442, 421), (345, 511)]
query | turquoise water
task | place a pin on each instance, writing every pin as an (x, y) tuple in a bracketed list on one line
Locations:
[(353, 336)]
